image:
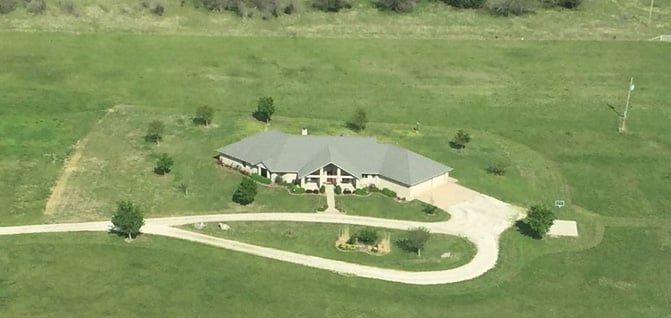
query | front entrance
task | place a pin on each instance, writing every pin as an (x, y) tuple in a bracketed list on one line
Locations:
[(264, 173)]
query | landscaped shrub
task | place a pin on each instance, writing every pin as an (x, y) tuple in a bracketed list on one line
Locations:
[(36, 6), (366, 236), (260, 178), (388, 192), (511, 7), (346, 191), (466, 4), (296, 189), (157, 9), (399, 6), (248, 8), (331, 5), (279, 180), (361, 191), (348, 247), (7, 6), (337, 189), (460, 139), (322, 189)]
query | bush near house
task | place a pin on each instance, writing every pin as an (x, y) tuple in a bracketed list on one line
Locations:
[(246, 192), (337, 189), (322, 189), (361, 191), (388, 192), (296, 189), (260, 178)]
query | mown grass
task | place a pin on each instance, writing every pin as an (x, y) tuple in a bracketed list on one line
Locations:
[(378, 205), (544, 105), (594, 20), (318, 239), (156, 276)]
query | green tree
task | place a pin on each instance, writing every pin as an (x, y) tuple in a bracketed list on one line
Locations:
[(246, 192), (429, 209), (498, 167), (366, 235), (155, 131), (540, 219), (511, 7), (163, 164), (331, 5), (128, 218), (204, 115), (415, 239), (265, 108), (460, 139), (358, 121)]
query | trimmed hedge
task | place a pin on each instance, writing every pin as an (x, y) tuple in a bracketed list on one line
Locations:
[(337, 190), (259, 178), (361, 191), (388, 192)]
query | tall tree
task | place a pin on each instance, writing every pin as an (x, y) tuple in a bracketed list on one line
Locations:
[(205, 114), (265, 108), (155, 131), (415, 239), (358, 121), (128, 218), (163, 164), (246, 192), (540, 219)]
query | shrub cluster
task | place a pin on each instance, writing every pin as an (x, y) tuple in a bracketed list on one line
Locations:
[(348, 247), (511, 7), (337, 189), (331, 5), (260, 178), (248, 8), (398, 6), (466, 4), (366, 236), (388, 192), (361, 191), (36, 6), (7, 6)]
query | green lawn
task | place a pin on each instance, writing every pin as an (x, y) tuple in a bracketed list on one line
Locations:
[(157, 276), (318, 239), (378, 205)]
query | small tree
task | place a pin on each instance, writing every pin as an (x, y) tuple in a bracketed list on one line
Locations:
[(358, 121), (128, 218), (163, 164), (540, 219), (246, 192), (498, 167), (460, 139), (36, 6), (415, 240), (155, 131), (265, 108), (204, 115)]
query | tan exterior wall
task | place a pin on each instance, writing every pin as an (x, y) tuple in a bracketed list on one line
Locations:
[(428, 185), (400, 189), (230, 162)]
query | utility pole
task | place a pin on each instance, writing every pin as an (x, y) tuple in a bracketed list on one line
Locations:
[(623, 123), (652, 3)]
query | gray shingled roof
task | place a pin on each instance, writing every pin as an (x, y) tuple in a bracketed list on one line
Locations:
[(281, 152)]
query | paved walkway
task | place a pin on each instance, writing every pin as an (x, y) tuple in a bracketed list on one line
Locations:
[(330, 199), (480, 219)]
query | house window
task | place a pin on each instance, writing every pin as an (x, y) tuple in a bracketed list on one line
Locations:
[(365, 176)]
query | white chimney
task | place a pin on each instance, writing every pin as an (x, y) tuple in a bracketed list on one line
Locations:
[(304, 132)]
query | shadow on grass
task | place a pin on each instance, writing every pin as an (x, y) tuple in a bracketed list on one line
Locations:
[(259, 116), (122, 234), (199, 121), (525, 230)]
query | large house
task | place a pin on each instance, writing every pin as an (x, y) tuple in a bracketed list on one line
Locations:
[(351, 162)]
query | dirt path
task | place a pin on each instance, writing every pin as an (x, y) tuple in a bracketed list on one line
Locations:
[(69, 166)]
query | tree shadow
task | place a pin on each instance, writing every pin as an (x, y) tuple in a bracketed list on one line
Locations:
[(122, 234), (259, 116), (456, 145), (526, 230), (199, 121)]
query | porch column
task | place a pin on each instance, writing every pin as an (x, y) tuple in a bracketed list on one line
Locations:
[(338, 176)]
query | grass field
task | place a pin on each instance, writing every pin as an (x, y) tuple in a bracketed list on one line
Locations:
[(552, 122), (317, 239), (594, 20), (542, 105)]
